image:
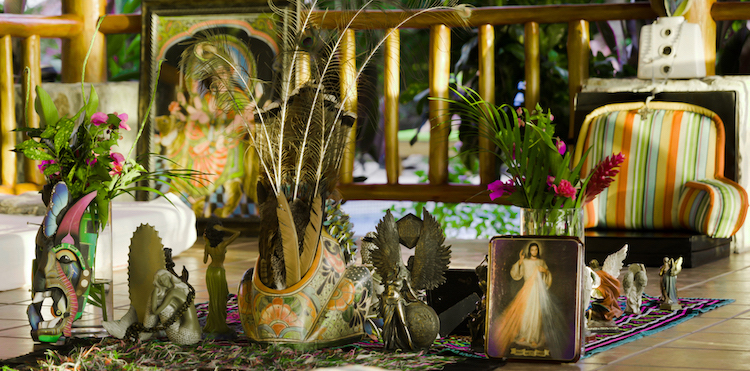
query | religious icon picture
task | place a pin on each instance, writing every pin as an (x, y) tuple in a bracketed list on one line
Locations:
[(534, 298)]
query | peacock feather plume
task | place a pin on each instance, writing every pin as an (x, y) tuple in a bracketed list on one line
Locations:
[(300, 138)]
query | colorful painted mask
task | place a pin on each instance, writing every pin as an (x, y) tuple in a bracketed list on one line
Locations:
[(62, 269)]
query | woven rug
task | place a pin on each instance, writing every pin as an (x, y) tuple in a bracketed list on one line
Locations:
[(631, 326), (451, 353)]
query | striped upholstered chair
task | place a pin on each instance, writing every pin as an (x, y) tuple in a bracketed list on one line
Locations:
[(673, 174)]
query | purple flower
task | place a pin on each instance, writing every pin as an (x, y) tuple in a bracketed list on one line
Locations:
[(123, 121), (91, 161), (498, 188), (550, 181), (117, 162), (99, 118), (561, 147), (45, 163), (117, 157)]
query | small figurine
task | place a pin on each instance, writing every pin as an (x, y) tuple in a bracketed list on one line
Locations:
[(633, 284), (668, 273), (216, 280), (409, 323), (604, 307)]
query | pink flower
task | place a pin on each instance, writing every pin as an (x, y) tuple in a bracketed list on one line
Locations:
[(117, 162), (91, 161), (550, 181), (603, 175), (123, 121), (498, 188), (565, 189), (45, 163), (561, 147), (99, 118)]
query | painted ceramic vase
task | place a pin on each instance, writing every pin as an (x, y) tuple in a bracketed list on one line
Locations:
[(327, 307)]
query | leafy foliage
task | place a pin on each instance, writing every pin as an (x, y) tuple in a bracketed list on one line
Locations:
[(78, 151), (124, 50), (542, 173), (484, 220)]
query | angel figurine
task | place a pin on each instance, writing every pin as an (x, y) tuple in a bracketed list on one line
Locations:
[(633, 284), (604, 307), (409, 323), (668, 274)]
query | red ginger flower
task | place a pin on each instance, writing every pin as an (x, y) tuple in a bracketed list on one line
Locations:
[(603, 175)]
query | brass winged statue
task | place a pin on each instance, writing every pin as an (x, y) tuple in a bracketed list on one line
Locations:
[(409, 323)]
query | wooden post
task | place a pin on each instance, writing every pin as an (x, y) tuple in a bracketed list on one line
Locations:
[(531, 48), (74, 49), (7, 114), (348, 87), (440, 68), (578, 65), (392, 91), (32, 60), (700, 13), (487, 91)]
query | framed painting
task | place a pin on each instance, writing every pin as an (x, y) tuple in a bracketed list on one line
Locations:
[(534, 308), (185, 125)]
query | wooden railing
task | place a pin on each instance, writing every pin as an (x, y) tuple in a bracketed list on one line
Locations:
[(76, 27)]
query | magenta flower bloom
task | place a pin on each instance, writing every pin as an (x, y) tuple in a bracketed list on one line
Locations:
[(91, 161), (44, 164), (123, 121), (118, 161), (550, 181), (565, 189), (603, 175), (498, 188), (99, 118), (561, 147)]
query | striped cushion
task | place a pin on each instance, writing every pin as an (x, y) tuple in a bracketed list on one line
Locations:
[(665, 147), (711, 207)]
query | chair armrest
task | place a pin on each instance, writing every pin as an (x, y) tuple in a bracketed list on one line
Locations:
[(715, 207)]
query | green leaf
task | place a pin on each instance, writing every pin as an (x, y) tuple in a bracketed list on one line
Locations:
[(30, 143), (37, 154), (51, 169), (45, 107), (62, 136), (93, 102)]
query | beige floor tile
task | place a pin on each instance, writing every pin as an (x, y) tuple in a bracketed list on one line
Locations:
[(13, 323), (13, 311), (685, 358), (15, 347), (710, 340), (729, 311), (15, 296), (731, 326), (614, 354), (23, 332), (645, 368)]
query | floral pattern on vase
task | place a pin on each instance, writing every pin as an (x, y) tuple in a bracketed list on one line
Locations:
[(326, 307)]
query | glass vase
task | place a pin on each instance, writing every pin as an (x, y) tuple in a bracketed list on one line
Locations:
[(552, 222), (99, 305)]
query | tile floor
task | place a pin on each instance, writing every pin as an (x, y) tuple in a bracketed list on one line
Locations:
[(718, 340)]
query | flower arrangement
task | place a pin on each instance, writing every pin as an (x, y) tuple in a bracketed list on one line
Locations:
[(540, 167), (78, 151)]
